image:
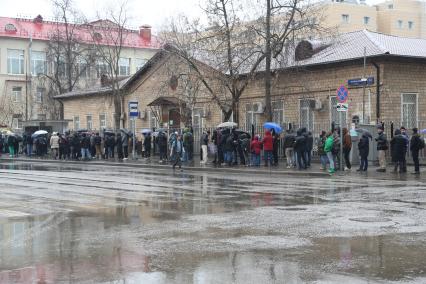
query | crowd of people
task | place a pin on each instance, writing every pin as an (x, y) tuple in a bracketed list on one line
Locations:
[(227, 146)]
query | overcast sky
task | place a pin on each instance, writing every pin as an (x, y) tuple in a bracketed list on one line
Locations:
[(153, 12)]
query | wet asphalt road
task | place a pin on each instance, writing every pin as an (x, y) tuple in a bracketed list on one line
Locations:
[(104, 224)]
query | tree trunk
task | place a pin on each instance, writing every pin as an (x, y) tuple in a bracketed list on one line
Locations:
[(268, 55)]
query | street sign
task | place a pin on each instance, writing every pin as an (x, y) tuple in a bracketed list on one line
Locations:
[(133, 109), (342, 94), (361, 82), (342, 107)]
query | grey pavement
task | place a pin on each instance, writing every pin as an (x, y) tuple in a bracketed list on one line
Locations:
[(91, 223)]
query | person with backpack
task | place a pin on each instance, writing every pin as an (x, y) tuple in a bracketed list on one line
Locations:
[(177, 151), (289, 139), (416, 144), (328, 149), (382, 146)]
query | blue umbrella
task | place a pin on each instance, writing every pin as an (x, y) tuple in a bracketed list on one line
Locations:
[(423, 131), (274, 126)]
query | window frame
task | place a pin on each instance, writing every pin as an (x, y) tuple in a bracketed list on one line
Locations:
[(281, 109), (400, 24), (76, 122), (416, 103), (126, 66), (100, 121), (410, 25), (15, 93), (345, 18), (310, 111), (36, 61), (89, 127), (366, 20), (39, 94), (138, 64), (21, 61)]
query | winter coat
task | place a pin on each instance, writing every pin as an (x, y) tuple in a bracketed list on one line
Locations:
[(54, 141), (229, 143), (382, 142), (125, 140), (416, 143), (300, 143), (204, 139), (309, 142), (85, 142), (347, 140), (321, 145), (268, 142), (147, 143), (11, 140), (398, 148), (161, 140), (289, 140), (329, 144), (98, 140), (256, 146), (364, 146), (177, 148), (188, 140)]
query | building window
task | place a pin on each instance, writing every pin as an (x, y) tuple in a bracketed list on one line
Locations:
[(102, 68), (17, 94), (251, 117), (124, 66), (38, 63), (306, 114), (102, 122), (153, 119), (345, 18), (39, 94), (400, 24), (17, 123), (334, 114), (76, 123), (410, 25), (89, 122), (366, 20), (62, 68), (15, 61), (278, 112), (140, 62), (390, 6), (409, 110), (82, 68)]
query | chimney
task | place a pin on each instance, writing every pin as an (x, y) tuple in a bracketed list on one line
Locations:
[(38, 19), (145, 32)]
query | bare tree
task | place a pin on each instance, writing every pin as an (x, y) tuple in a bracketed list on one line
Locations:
[(70, 54), (241, 39), (109, 36)]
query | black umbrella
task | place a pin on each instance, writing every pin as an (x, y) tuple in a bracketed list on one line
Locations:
[(364, 132)]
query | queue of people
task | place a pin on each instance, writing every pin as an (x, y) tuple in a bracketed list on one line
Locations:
[(228, 146)]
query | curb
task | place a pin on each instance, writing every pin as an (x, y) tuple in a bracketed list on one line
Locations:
[(194, 169)]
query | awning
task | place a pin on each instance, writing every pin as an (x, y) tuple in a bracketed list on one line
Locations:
[(165, 101)]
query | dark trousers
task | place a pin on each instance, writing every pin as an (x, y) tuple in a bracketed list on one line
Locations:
[(163, 153), (346, 153), (400, 163), (301, 160), (275, 154), (308, 158), (415, 155), (364, 164), (126, 151), (177, 161)]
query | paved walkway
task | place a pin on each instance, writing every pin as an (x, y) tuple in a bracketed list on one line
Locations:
[(281, 169)]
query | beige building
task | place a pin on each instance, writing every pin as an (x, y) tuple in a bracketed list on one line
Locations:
[(406, 18), (304, 94), (25, 90)]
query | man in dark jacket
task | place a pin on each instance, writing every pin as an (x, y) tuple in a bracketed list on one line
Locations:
[(162, 146), (416, 144), (309, 147), (119, 145), (364, 149), (299, 148), (289, 139), (98, 142), (29, 144), (398, 149), (85, 147), (347, 147), (382, 146)]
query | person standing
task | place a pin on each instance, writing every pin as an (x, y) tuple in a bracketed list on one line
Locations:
[(347, 147), (85, 147), (268, 148), (364, 149), (309, 147), (416, 144), (204, 146), (289, 139), (98, 142), (299, 148), (176, 152), (54, 145), (328, 148), (407, 143), (382, 146), (162, 146), (256, 149), (11, 144), (29, 144), (125, 145), (276, 144), (119, 145), (321, 152), (147, 145), (398, 149)]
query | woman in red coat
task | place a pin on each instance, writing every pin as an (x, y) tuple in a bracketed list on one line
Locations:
[(268, 148), (256, 148)]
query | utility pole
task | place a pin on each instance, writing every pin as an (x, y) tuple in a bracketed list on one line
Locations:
[(364, 80)]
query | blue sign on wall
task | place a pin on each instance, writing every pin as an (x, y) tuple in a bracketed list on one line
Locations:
[(133, 109), (360, 82)]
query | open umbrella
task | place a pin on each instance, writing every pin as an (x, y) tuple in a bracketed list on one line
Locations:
[(274, 126), (423, 131), (146, 131), (364, 132), (125, 131), (40, 132), (228, 124)]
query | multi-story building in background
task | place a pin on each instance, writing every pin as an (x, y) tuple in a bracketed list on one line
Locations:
[(25, 67), (406, 18)]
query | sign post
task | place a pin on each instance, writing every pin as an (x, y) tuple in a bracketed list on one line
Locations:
[(133, 114), (342, 97)]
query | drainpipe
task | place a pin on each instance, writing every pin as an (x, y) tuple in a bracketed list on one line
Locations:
[(377, 91)]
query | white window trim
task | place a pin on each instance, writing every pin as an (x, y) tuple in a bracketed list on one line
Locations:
[(106, 124), (300, 115), (91, 121), (7, 62), (417, 106), (282, 108), (74, 119)]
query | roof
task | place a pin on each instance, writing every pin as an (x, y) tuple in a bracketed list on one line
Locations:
[(95, 90), (26, 28), (350, 46), (165, 101)]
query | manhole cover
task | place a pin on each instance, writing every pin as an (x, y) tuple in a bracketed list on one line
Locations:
[(370, 219)]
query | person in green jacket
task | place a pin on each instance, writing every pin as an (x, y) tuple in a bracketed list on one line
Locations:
[(328, 149)]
